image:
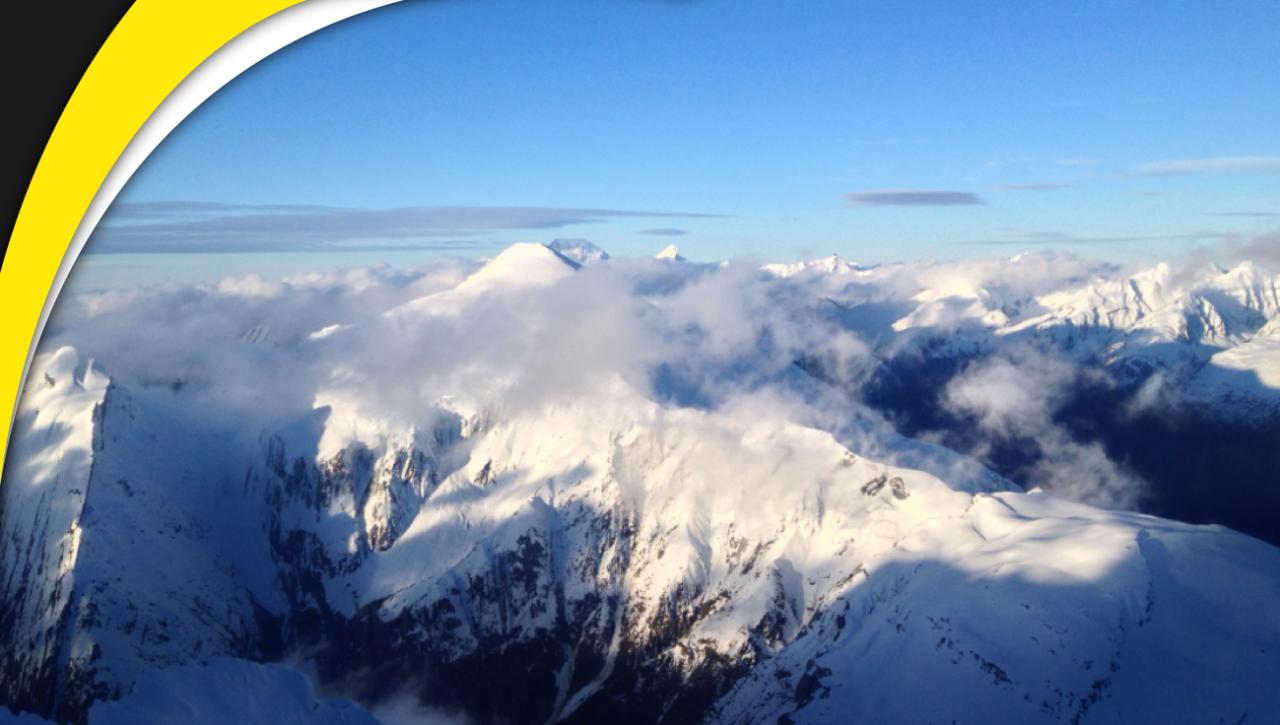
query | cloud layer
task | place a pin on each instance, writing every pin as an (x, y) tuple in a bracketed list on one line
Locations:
[(252, 352), (185, 226)]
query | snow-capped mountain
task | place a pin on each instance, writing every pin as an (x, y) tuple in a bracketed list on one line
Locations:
[(1158, 320), (114, 560), (1244, 376), (670, 252), (1184, 324), (555, 493), (827, 265), (579, 250)]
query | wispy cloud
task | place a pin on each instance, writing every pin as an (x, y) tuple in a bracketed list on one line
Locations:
[(911, 197), (1068, 239), (187, 208), (1018, 395), (664, 232), (1264, 249), (1211, 165), (1077, 161), (186, 226), (1031, 187)]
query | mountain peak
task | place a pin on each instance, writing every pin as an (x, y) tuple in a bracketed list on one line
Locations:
[(579, 250), (831, 264), (671, 252), (521, 264)]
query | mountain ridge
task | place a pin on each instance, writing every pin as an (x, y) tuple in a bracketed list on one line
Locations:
[(604, 552)]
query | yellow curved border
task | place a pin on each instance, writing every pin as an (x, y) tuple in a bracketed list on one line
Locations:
[(157, 44)]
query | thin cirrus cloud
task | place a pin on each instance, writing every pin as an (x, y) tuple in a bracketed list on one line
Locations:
[(1031, 187), (1210, 165), (911, 197), (1067, 239), (664, 232), (184, 226)]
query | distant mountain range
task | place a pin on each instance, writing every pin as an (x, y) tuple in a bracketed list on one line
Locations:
[(563, 487)]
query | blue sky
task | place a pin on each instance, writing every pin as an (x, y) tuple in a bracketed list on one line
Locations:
[(768, 130)]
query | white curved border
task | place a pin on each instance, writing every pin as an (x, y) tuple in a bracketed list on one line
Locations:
[(229, 61)]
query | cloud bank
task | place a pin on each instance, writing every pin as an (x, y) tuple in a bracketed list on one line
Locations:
[(192, 226), (392, 345)]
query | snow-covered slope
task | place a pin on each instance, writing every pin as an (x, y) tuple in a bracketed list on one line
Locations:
[(579, 250), (1053, 613), (518, 267), (827, 265), (670, 252), (1182, 323), (111, 543), (1244, 378), (619, 531), (55, 437), (541, 529), (1162, 318), (226, 690)]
